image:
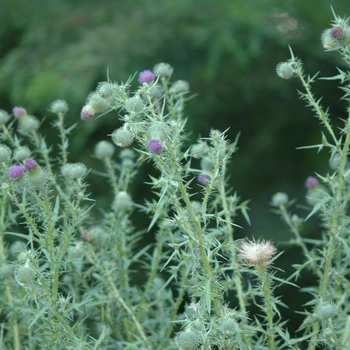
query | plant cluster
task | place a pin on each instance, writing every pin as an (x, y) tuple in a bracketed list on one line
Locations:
[(68, 279)]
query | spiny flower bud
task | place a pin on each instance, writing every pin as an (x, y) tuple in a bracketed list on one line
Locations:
[(27, 124), (30, 164), (87, 112), (158, 130), (98, 103), (163, 70), (122, 201), (4, 117), (104, 149), (156, 91), (203, 178), (74, 170), (207, 164), (37, 178), (311, 182), (19, 112), (106, 90), (155, 146), (257, 253), (122, 137), (146, 77), (188, 340), (21, 154), (15, 172), (6, 271), (327, 40), (99, 236), (59, 106), (5, 153), (279, 198), (134, 105), (180, 86), (326, 311), (285, 70), (229, 326), (17, 247), (127, 153), (24, 275)]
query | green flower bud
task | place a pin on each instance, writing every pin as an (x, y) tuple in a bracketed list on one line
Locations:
[(4, 117), (127, 153), (326, 311), (285, 70), (156, 91), (279, 198), (6, 271), (77, 251), (158, 130), (134, 105), (5, 153), (27, 124), (104, 149), (21, 154), (180, 86), (98, 103), (122, 137), (327, 40), (163, 70), (188, 340), (74, 170), (17, 247), (229, 327), (24, 275), (122, 201), (99, 237), (59, 106), (106, 90), (207, 164), (37, 179)]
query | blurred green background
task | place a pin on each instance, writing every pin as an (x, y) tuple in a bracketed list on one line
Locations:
[(226, 49)]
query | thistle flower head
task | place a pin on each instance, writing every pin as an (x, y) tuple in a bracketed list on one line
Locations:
[(4, 117), (87, 112), (326, 311), (19, 112), (279, 198), (203, 178), (163, 70), (155, 146), (15, 172), (104, 149), (311, 182), (146, 77), (188, 340), (122, 137), (30, 164), (5, 153), (257, 253), (27, 124)]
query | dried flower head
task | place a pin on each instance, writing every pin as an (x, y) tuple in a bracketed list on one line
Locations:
[(257, 253)]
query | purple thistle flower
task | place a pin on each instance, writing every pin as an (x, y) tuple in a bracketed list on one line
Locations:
[(87, 113), (15, 171), (337, 32), (30, 164), (146, 77), (203, 178), (155, 146), (311, 182), (19, 112)]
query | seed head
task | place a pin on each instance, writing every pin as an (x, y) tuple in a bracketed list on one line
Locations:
[(146, 77), (257, 253)]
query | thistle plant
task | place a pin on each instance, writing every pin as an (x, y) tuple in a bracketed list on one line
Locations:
[(68, 277)]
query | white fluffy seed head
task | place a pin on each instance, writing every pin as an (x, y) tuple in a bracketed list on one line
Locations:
[(257, 253)]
